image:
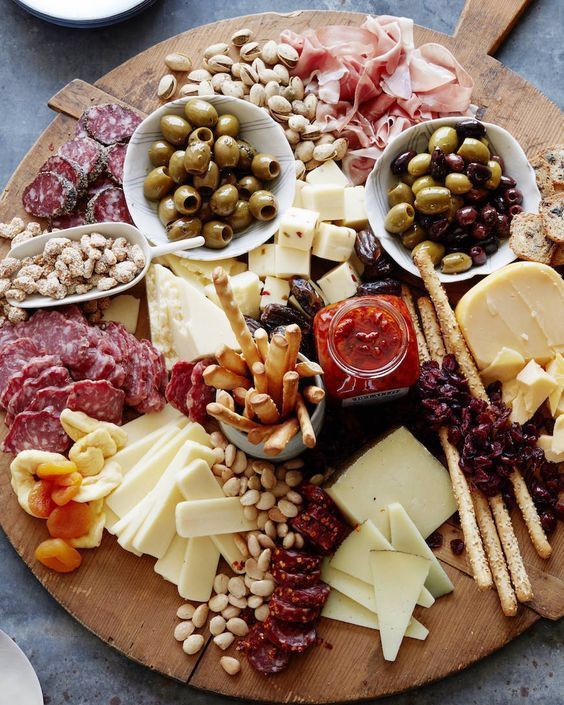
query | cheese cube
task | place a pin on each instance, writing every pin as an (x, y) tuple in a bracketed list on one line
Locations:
[(327, 199), (536, 385), (333, 242), (292, 263), (298, 194), (327, 174), (545, 443), (297, 228), (355, 208), (509, 391), (275, 291), (505, 366), (262, 261), (123, 309), (555, 368), (519, 411), (339, 283), (558, 436), (246, 290)]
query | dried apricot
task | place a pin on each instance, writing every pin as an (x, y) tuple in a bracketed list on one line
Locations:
[(70, 480), (39, 499), (70, 521), (49, 471), (63, 495), (58, 555)]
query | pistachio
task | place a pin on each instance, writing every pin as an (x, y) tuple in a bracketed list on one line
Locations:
[(298, 106), (300, 169), (166, 87), (250, 51), (269, 52), (271, 88), (312, 164), (189, 89), (199, 75), (312, 132), (288, 55), (236, 69), (257, 95), (267, 75), (304, 150), (292, 137), (283, 74), (341, 146), (310, 102), (214, 49), (258, 65), (218, 78), (297, 85), (279, 104), (205, 88), (233, 89), (241, 36), (219, 63), (178, 62), (248, 75), (288, 93), (326, 138), (299, 123)]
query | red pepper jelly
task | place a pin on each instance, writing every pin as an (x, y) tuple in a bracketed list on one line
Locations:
[(367, 348)]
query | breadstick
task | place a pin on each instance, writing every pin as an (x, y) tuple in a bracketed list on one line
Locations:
[(230, 417), (308, 434), (294, 338), (260, 434), (275, 367), (407, 297), (235, 317), (261, 339), (530, 514), (313, 394), (259, 378), (225, 399), (265, 408), (239, 394), (231, 360), (247, 406), (220, 378), (308, 369), (290, 384), (281, 436), (431, 328)]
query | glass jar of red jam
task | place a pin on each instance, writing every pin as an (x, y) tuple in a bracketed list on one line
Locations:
[(367, 348)]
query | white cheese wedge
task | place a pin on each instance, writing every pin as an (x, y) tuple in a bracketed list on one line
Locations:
[(297, 228), (407, 538), (536, 385), (246, 289), (198, 570), (341, 608), (111, 519), (355, 589), (292, 263), (129, 456), (123, 309), (355, 208), (327, 174), (339, 283), (170, 565), (506, 365), (555, 369), (398, 579), (140, 427), (395, 469), (326, 199), (127, 528), (545, 443), (262, 261), (333, 242), (275, 291), (208, 517), (297, 203)]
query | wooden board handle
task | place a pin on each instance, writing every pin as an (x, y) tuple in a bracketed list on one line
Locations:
[(74, 98), (484, 24)]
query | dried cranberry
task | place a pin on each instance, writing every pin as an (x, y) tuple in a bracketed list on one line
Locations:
[(478, 255), (488, 214), (457, 546), (400, 162), (480, 231), (548, 520), (559, 509), (513, 196), (502, 227), (466, 216), (454, 162), (478, 173), (435, 540), (506, 182)]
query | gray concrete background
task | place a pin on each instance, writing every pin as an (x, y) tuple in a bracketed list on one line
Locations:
[(36, 59)]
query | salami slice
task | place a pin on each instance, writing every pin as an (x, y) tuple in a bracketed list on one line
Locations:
[(53, 399), (295, 561), (155, 399), (36, 430), (110, 123), (13, 356), (316, 495), (70, 220), (314, 596), (265, 657), (108, 206), (69, 170), (87, 153), (292, 638), (8, 333), (33, 367), (80, 127), (100, 184), (51, 377), (99, 400), (60, 335), (292, 613), (322, 529), (94, 365), (179, 384), (49, 195), (115, 160), (200, 394), (295, 580)]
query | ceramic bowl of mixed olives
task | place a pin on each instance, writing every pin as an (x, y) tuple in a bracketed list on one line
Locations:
[(451, 186), (218, 167)]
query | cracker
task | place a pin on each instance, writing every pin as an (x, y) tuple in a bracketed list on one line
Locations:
[(552, 214), (558, 256), (528, 240)]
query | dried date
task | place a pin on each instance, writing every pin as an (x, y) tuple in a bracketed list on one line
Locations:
[(392, 287), (252, 324), (275, 315), (306, 295), (377, 263)]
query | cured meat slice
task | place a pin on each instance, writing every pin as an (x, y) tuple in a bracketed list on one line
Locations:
[(200, 394), (36, 430), (320, 528), (314, 596), (179, 384), (69, 170), (87, 153), (61, 335), (264, 656), (70, 220), (8, 333), (292, 613), (295, 561), (13, 356), (295, 580), (292, 638), (49, 195), (94, 365), (110, 123), (316, 495), (53, 399), (155, 399), (115, 160), (99, 400), (100, 184), (52, 377), (80, 127), (108, 206), (32, 368)]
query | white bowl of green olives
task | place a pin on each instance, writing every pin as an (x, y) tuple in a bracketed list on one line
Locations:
[(218, 167), (450, 186)]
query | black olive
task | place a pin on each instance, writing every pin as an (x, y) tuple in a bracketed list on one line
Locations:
[(399, 163), (470, 128)]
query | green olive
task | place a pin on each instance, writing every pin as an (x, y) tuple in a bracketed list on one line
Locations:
[(401, 193), (456, 262), (187, 200), (160, 153), (472, 150), (176, 167), (205, 213), (224, 200), (413, 236), (265, 167), (445, 138), (167, 210), (241, 217), (263, 205), (217, 234), (456, 202), (175, 129), (485, 140), (200, 113), (227, 125), (228, 176), (435, 249), (247, 185), (184, 228), (423, 182), (207, 183), (433, 199), (246, 155), (226, 152), (158, 183), (458, 183), (202, 134), (399, 218), (495, 178), (419, 165), (197, 158)]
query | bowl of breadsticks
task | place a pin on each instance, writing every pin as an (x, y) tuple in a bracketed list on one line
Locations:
[(270, 399)]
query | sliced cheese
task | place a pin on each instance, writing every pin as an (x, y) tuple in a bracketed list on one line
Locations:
[(558, 436), (208, 517), (170, 565), (123, 309), (111, 519), (506, 365), (129, 456), (327, 174), (246, 289), (398, 579), (406, 537), (198, 569), (536, 385), (545, 443), (355, 589), (395, 469), (140, 427), (297, 203), (199, 272), (127, 528), (555, 369)]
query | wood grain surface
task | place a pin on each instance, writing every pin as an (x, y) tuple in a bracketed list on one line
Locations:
[(122, 600)]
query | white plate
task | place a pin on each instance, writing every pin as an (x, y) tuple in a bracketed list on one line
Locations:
[(84, 13), (19, 684)]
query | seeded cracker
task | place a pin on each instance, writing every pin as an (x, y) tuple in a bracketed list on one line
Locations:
[(527, 239), (552, 214)]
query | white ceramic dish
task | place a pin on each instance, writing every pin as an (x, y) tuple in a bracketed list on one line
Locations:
[(257, 127), (129, 232), (84, 14), (381, 180), (19, 682)]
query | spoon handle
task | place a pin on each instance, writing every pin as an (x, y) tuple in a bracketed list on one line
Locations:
[(188, 244)]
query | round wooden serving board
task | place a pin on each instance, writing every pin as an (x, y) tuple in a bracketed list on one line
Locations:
[(121, 599)]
